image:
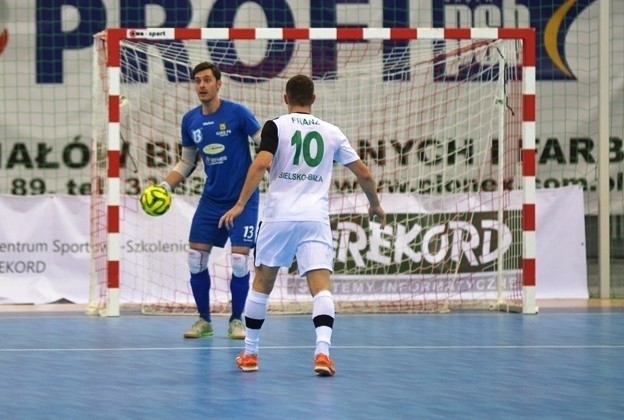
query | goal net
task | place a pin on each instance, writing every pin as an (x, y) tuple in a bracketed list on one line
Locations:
[(444, 118)]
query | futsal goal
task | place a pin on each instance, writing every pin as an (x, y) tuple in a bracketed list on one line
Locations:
[(444, 117)]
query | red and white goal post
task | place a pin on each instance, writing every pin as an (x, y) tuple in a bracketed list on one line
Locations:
[(444, 117)]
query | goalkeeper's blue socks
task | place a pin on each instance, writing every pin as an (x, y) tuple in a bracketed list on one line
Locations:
[(200, 284), (239, 287)]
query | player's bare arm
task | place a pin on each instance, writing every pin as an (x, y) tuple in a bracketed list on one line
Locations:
[(368, 184), (258, 168)]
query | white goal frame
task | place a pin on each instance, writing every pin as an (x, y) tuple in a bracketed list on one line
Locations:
[(114, 37)]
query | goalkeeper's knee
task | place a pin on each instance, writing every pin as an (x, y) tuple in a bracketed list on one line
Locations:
[(197, 260), (239, 265)]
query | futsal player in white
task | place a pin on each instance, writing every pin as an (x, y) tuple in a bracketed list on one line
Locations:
[(299, 149)]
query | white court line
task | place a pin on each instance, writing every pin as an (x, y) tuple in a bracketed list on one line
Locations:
[(8, 316), (130, 349)]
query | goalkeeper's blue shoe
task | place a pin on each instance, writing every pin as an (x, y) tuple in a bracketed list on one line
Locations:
[(201, 328)]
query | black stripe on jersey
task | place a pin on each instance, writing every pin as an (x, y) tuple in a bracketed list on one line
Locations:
[(268, 140)]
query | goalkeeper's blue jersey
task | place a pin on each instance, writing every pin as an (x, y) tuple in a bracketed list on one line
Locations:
[(223, 142)]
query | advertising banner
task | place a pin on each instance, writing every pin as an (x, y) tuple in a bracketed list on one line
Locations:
[(45, 254)]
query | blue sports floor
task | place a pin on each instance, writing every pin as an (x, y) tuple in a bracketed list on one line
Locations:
[(565, 363)]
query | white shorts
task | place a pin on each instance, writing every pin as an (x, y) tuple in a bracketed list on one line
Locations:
[(278, 243)]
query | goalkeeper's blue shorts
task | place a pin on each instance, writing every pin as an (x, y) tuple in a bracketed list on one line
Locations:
[(205, 225)]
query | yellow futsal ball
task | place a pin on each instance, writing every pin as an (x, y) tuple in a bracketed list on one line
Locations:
[(155, 200)]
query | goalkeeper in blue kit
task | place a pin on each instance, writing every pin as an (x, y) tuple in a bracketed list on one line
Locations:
[(218, 131)]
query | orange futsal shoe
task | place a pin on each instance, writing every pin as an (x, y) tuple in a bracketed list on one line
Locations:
[(323, 365), (247, 362)]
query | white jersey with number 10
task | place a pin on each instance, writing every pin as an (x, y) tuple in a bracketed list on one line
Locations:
[(301, 171)]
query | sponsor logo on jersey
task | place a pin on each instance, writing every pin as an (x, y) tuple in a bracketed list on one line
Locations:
[(209, 161), (223, 130), (214, 149)]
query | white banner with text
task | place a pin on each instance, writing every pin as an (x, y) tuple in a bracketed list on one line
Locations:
[(45, 254)]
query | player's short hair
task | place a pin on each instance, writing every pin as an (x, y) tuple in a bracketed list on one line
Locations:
[(205, 65), (300, 90)]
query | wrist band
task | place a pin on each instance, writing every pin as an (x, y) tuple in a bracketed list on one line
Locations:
[(166, 186)]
